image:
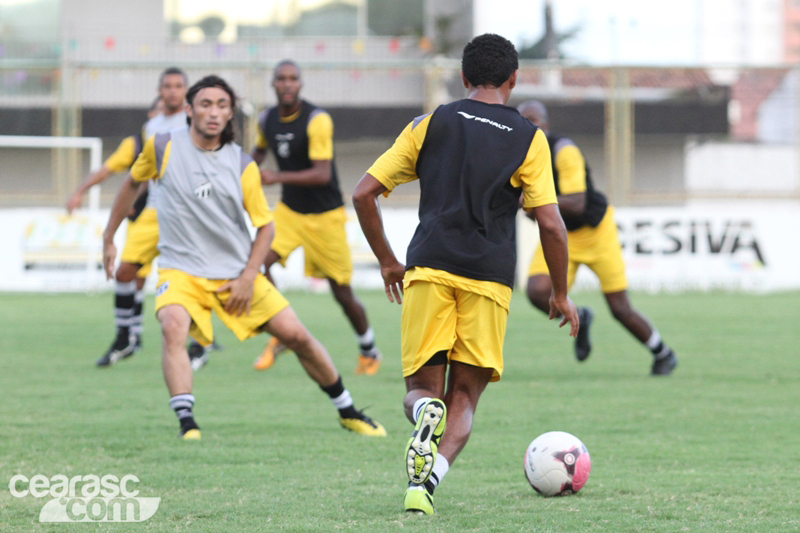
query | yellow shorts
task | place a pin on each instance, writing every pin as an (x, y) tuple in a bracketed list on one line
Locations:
[(470, 327), (322, 237), (598, 248), (198, 297), (141, 241)]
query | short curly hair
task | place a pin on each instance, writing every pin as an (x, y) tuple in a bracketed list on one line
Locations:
[(489, 60)]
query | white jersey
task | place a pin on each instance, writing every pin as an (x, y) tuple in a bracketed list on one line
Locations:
[(162, 124)]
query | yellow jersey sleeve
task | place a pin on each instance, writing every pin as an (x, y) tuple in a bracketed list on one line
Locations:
[(123, 157), (145, 167), (535, 175), (398, 164), (255, 203), (571, 170), (261, 141), (320, 137)]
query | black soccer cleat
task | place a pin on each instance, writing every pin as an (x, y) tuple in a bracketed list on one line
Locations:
[(125, 345), (198, 355), (663, 366), (583, 343)]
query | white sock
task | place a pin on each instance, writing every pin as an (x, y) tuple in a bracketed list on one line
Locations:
[(367, 339), (342, 401), (654, 340), (440, 468), (418, 407)]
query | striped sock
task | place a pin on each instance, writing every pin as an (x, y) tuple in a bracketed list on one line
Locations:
[(124, 302), (137, 326), (366, 344), (182, 404), (657, 346), (341, 399)]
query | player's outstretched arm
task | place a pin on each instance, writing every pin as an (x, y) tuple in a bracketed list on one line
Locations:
[(100, 176), (553, 235), (365, 202), (119, 210)]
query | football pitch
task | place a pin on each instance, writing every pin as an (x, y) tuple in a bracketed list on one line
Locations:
[(714, 447)]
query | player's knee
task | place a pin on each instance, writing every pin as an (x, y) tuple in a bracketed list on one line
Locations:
[(621, 312), (298, 340), (173, 327), (538, 291), (126, 272)]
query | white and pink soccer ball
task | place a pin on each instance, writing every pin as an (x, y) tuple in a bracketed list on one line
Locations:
[(557, 463)]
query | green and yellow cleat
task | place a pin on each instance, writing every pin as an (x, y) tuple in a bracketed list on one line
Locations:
[(418, 500), (424, 442), (363, 425), (192, 434)]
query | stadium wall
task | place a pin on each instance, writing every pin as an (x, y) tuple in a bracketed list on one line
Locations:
[(696, 248)]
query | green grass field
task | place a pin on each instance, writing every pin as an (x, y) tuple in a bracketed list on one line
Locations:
[(715, 447)]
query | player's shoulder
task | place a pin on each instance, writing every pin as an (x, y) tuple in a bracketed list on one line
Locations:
[(244, 159), (315, 111), (558, 142)]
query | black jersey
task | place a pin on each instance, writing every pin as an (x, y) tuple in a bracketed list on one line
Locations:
[(468, 206), (289, 143)]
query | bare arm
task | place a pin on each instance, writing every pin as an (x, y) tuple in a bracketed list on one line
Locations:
[(119, 210), (241, 288), (553, 235), (365, 202), (100, 176), (319, 174), (572, 205)]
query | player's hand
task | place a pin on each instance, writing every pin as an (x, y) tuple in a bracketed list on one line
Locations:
[(268, 177), (241, 295), (393, 280), (73, 203), (565, 308), (109, 256)]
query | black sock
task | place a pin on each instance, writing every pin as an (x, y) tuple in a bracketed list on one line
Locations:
[(335, 390)]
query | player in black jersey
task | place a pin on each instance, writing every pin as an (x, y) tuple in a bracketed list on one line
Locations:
[(474, 159), (311, 212), (592, 236)]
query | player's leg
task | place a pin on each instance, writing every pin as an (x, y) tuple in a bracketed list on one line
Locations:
[(175, 323), (124, 344), (425, 409), (288, 237), (428, 330), (315, 360), (369, 358), (183, 306), (664, 359), (539, 289), (609, 267)]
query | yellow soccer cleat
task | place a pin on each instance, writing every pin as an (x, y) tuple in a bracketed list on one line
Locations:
[(363, 425), (192, 434), (368, 365), (418, 500), (424, 442), (267, 358)]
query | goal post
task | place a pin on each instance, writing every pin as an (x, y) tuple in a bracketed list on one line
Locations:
[(94, 145)]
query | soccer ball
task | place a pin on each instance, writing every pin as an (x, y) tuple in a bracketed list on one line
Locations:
[(557, 463)]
